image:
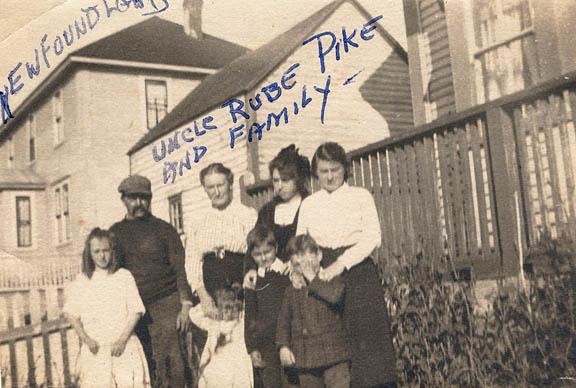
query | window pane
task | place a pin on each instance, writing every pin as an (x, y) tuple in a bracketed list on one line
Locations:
[(23, 221), (156, 102)]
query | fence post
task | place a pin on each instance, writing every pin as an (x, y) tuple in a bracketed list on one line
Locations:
[(496, 122)]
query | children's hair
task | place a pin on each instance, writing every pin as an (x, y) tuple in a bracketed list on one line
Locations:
[(330, 152), (303, 243), (217, 168), (260, 235), (291, 165), (226, 296), (88, 265)]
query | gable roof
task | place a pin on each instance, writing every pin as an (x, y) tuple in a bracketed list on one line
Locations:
[(156, 40), (154, 43), (244, 73)]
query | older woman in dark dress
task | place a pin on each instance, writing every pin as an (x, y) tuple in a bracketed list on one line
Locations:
[(343, 220)]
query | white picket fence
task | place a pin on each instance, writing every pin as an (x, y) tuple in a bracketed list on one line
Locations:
[(36, 346)]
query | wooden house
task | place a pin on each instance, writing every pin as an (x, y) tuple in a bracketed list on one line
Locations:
[(281, 89)]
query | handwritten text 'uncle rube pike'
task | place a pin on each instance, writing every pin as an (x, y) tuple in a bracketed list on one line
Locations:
[(328, 44)]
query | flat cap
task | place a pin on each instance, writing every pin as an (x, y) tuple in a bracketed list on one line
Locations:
[(135, 184)]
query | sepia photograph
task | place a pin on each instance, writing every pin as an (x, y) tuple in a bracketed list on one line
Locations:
[(283, 194)]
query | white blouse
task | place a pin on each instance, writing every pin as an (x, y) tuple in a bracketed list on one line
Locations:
[(285, 212), (345, 217), (215, 228)]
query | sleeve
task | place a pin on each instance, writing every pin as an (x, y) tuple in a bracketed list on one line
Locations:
[(199, 319), (176, 256), (284, 321), (331, 292), (134, 303), (194, 261), (73, 304), (250, 219), (370, 236), (250, 323)]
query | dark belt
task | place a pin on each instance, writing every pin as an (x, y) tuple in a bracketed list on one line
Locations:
[(330, 255)]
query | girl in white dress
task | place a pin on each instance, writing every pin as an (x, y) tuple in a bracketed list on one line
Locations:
[(103, 306), (225, 363)]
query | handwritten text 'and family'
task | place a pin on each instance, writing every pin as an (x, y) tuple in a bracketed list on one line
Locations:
[(327, 44)]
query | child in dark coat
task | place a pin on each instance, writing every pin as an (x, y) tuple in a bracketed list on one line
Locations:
[(262, 305), (310, 334)]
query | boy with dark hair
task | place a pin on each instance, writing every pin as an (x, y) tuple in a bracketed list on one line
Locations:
[(262, 305), (310, 334)]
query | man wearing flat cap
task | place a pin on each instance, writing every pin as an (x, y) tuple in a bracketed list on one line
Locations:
[(151, 249)]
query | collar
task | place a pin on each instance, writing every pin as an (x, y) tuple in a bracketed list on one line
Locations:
[(342, 189), (276, 266)]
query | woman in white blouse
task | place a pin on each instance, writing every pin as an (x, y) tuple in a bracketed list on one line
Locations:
[(343, 220), (217, 241)]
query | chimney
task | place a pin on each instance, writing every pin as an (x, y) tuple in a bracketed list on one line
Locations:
[(193, 18)]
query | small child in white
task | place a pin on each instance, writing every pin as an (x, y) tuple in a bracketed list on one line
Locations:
[(103, 305), (225, 363)]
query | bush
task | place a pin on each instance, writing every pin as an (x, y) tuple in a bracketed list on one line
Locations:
[(527, 339)]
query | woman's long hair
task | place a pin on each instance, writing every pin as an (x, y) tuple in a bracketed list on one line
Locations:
[(292, 165), (88, 265)]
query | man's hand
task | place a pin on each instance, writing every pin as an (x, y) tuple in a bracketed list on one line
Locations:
[(331, 271), (250, 280), (257, 360), (287, 357), (92, 345), (118, 347), (183, 322)]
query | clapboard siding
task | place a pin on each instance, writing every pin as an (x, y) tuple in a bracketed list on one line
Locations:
[(356, 114), (216, 141), (440, 88)]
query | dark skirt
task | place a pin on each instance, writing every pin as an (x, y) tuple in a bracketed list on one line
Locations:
[(373, 360), (222, 270)]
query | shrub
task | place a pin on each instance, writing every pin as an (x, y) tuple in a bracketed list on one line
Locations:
[(527, 339)]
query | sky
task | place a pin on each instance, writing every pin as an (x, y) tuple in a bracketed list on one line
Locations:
[(249, 23)]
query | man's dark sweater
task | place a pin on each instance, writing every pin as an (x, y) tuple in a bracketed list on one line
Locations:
[(152, 251)]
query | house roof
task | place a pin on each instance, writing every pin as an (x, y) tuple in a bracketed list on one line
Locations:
[(154, 43), (156, 40), (244, 73), (20, 179)]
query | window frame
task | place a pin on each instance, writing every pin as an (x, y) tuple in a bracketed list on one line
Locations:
[(63, 230), (481, 50), (11, 154), (177, 216), (148, 81), (32, 143), (58, 117), (20, 222)]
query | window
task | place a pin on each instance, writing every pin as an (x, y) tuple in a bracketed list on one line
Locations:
[(58, 112), (23, 221), (156, 102), (62, 202), (505, 60), (32, 138), (176, 218), (10, 152)]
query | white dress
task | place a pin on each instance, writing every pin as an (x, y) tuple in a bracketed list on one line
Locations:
[(104, 303), (225, 363)]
